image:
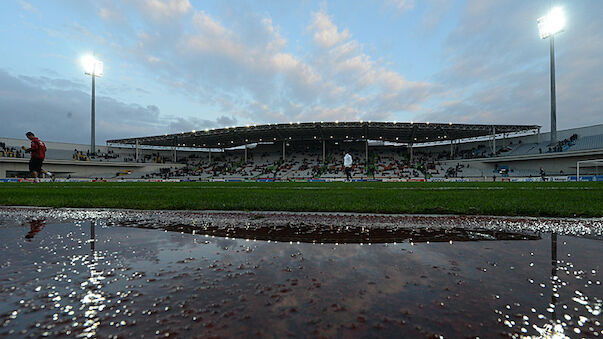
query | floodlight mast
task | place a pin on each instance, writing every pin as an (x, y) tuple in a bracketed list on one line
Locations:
[(94, 68), (548, 26)]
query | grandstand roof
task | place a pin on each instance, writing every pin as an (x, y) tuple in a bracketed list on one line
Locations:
[(400, 132)]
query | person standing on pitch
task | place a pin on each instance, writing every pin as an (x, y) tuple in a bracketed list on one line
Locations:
[(38, 153), (347, 164)]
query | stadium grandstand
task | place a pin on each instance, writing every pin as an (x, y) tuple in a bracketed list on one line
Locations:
[(387, 151)]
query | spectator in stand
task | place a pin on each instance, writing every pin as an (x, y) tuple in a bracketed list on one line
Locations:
[(38, 153), (10, 152)]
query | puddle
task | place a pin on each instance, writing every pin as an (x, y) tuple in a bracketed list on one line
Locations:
[(216, 274)]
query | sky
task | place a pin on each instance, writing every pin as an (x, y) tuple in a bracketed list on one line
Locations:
[(180, 65)]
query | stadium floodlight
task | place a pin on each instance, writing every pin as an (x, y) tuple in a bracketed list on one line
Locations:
[(552, 23), (94, 68), (548, 26)]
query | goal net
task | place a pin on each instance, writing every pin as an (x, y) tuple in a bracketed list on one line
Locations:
[(589, 170)]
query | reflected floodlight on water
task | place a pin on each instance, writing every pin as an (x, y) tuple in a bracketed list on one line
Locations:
[(552, 23)]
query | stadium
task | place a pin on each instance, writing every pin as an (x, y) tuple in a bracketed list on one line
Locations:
[(314, 151), (327, 169)]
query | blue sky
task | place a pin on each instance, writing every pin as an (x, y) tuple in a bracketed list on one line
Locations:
[(179, 65)]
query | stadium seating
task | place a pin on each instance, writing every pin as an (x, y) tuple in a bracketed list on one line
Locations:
[(8, 151), (304, 161), (589, 142)]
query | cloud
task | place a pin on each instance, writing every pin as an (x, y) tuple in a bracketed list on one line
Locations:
[(242, 67), (401, 5), (498, 69), (164, 10), (28, 7), (368, 86), (215, 61), (239, 67), (110, 14), (207, 24), (434, 14), (179, 124), (59, 110), (326, 34)]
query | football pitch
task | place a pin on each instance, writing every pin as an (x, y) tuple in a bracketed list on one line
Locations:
[(563, 199)]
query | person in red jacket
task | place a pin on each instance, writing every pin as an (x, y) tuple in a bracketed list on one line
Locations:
[(38, 153)]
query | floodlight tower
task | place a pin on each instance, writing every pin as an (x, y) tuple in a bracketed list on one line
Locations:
[(94, 68), (548, 26)]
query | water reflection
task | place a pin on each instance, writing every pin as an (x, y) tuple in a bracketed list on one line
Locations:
[(120, 277), (553, 328), (93, 300), (35, 226), (580, 322), (340, 234)]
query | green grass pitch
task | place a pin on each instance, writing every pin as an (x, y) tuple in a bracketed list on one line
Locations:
[(564, 199)]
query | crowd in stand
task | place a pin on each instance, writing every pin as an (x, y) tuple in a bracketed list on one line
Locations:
[(305, 165), (155, 158), (10, 152), (99, 156), (81, 156), (112, 155), (304, 162), (564, 144)]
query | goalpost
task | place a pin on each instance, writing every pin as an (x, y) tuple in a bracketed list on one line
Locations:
[(594, 163)]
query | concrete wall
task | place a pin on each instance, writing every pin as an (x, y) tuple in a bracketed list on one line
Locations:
[(81, 169), (551, 163), (526, 139)]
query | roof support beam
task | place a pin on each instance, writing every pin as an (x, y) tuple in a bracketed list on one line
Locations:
[(412, 133), (319, 128), (494, 139), (280, 136)]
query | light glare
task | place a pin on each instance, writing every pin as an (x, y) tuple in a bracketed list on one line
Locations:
[(552, 23), (92, 65)]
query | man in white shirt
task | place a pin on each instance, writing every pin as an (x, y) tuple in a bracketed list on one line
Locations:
[(347, 164)]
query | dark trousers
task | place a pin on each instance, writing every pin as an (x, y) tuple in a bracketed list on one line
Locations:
[(348, 173), (35, 165)]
